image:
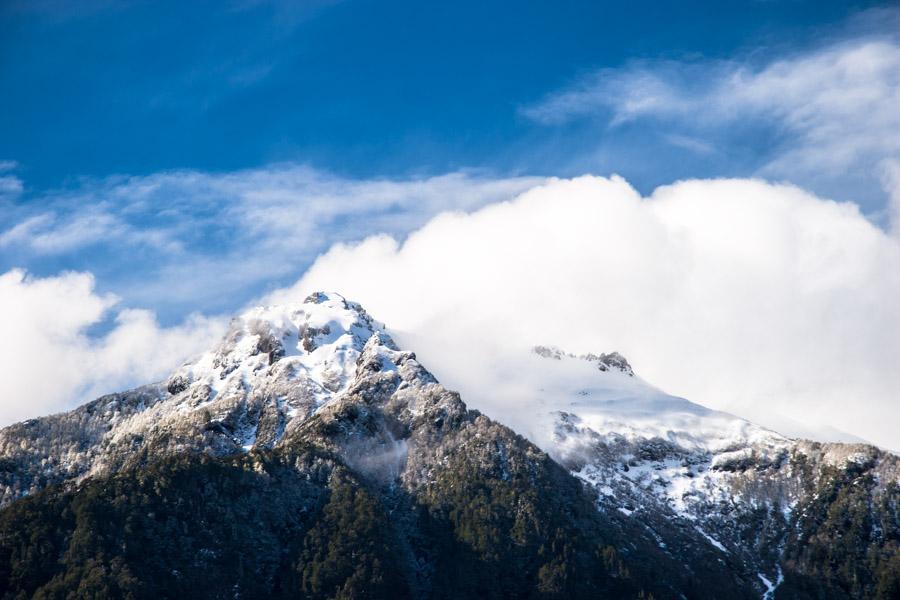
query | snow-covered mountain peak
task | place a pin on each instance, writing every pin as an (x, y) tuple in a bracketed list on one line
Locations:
[(601, 392), (274, 367), (322, 337), (636, 444)]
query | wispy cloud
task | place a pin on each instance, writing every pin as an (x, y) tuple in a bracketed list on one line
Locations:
[(192, 239), (47, 233), (828, 111), (689, 143), (10, 185)]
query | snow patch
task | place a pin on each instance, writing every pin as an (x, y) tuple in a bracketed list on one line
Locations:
[(711, 539)]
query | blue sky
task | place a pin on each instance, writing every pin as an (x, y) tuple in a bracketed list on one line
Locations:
[(162, 165), (359, 88), (99, 93)]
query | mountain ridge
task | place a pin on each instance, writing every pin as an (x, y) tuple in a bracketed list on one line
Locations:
[(713, 499)]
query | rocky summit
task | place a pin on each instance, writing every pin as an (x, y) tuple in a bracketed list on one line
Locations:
[(308, 456)]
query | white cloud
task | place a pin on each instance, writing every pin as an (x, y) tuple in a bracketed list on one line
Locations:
[(831, 111), (758, 298), (48, 361)]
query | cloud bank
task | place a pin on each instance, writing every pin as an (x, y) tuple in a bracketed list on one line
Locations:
[(49, 361), (757, 298)]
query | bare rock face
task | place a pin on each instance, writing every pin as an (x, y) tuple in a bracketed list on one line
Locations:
[(611, 360), (176, 385), (604, 361)]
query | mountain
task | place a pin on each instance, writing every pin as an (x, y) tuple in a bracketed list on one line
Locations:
[(773, 505), (308, 456)]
